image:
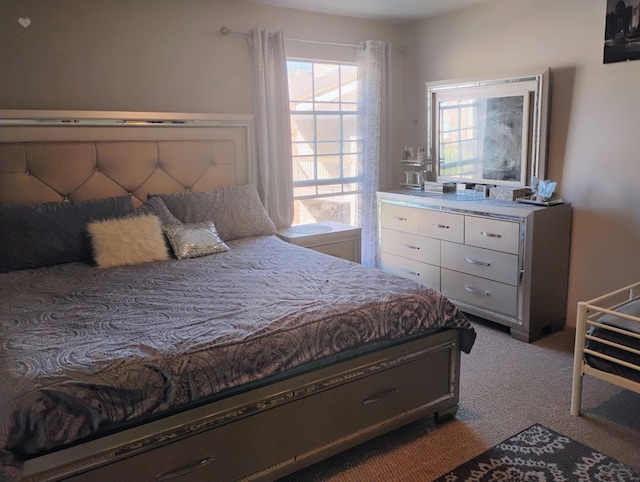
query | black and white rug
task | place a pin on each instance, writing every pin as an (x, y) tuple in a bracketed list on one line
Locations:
[(538, 454)]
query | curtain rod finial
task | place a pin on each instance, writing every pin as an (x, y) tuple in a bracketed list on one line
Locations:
[(224, 31)]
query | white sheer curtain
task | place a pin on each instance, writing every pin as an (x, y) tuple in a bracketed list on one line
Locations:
[(272, 171), (374, 87)]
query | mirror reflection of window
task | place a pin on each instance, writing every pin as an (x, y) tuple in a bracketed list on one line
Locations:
[(459, 143)]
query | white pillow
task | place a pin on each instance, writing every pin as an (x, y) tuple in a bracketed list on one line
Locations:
[(127, 241)]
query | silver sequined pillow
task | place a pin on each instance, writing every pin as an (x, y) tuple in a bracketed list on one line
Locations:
[(193, 240)]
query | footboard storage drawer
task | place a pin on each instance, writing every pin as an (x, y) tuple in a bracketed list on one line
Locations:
[(314, 415), (225, 453), (375, 398)]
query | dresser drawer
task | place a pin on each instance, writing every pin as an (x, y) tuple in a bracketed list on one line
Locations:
[(485, 263), (424, 273), (447, 226), (411, 246), (400, 218), (480, 292), (492, 234)]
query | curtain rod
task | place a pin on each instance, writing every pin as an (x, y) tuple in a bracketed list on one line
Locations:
[(225, 31)]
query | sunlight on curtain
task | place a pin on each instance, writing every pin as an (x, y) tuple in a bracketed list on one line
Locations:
[(374, 86), (272, 171)]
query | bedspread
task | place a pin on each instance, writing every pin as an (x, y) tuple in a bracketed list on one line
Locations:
[(83, 349)]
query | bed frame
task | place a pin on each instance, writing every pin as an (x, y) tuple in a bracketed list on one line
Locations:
[(260, 434), (589, 314)]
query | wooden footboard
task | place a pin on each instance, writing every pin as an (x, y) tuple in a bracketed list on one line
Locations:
[(277, 429)]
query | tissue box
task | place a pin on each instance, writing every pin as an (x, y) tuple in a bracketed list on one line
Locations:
[(503, 193), (443, 187)]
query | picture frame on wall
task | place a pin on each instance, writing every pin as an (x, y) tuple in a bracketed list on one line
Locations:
[(622, 31)]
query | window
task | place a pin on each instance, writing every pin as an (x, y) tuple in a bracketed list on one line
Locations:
[(326, 175)]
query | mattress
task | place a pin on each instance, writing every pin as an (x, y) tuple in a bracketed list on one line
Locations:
[(84, 351), (632, 308)]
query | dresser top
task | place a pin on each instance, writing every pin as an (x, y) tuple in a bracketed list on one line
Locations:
[(468, 201)]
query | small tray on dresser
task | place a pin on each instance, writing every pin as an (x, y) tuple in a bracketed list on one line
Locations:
[(537, 202)]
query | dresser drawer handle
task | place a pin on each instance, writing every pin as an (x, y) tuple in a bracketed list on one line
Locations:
[(410, 246), (378, 397), (412, 273), (441, 226), (476, 291), (181, 472), (490, 235), (400, 218), (475, 261)]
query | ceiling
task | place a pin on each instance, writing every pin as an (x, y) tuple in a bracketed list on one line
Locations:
[(386, 10)]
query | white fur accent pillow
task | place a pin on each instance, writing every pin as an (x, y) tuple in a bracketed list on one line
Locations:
[(127, 241)]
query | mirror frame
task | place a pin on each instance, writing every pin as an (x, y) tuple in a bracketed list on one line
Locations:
[(533, 85)]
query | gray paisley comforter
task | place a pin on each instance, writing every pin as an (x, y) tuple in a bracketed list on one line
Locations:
[(83, 349)]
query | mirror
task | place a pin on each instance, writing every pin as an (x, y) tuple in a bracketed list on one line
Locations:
[(488, 131)]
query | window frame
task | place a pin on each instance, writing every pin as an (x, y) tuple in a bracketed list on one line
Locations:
[(346, 185)]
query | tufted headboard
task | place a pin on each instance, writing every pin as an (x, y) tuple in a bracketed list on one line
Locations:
[(77, 155)]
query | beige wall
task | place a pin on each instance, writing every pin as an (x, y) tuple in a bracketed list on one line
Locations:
[(166, 55), (155, 55)]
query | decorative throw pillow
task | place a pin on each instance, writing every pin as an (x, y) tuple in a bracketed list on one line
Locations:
[(35, 235), (236, 210), (126, 241), (193, 240)]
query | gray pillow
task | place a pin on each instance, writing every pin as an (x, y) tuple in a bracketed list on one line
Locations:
[(236, 211), (155, 206), (35, 235)]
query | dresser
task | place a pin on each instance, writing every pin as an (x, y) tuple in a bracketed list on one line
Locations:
[(503, 261)]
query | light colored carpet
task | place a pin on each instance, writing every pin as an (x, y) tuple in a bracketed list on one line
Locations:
[(506, 386)]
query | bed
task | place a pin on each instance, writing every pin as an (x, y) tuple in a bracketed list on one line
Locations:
[(607, 344), (153, 327)]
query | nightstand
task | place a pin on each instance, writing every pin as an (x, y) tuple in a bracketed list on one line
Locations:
[(336, 239)]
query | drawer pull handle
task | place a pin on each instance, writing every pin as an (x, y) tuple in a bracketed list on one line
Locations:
[(441, 226), (185, 470), (400, 218), (379, 396), (476, 291), (410, 246), (475, 261), (490, 235), (413, 273)]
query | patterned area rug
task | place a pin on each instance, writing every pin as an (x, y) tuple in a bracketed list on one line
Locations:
[(538, 454)]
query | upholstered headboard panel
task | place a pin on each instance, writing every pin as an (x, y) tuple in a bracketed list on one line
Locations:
[(75, 160)]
